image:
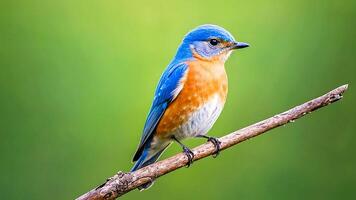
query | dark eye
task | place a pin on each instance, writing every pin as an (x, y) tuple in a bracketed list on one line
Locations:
[(214, 42)]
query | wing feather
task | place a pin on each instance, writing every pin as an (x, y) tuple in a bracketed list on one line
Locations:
[(169, 86)]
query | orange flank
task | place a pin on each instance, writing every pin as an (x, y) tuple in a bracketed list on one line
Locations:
[(204, 80)]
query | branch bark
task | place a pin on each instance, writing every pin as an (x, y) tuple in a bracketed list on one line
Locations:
[(123, 182)]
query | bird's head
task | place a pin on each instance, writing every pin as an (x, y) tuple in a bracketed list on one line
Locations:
[(209, 42)]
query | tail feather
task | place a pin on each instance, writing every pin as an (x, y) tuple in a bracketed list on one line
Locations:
[(145, 160)]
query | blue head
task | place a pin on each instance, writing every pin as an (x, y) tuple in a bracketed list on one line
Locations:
[(208, 42)]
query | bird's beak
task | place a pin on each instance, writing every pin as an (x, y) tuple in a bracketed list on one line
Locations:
[(239, 45)]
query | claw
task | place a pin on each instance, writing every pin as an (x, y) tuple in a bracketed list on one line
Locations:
[(189, 154), (186, 151), (216, 143)]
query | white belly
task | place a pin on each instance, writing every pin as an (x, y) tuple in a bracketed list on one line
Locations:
[(202, 120)]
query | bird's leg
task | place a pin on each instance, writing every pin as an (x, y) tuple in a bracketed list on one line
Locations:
[(215, 142), (186, 151)]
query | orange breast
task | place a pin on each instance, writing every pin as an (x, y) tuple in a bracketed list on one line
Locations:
[(204, 79)]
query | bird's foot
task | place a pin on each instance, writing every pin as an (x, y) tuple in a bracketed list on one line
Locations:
[(216, 143), (189, 154)]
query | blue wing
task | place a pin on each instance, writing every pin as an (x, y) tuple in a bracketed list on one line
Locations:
[(167, 90)]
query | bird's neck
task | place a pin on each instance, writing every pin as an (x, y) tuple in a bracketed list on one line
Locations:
[(183, 53)]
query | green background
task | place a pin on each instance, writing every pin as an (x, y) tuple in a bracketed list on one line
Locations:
[(77, 80)]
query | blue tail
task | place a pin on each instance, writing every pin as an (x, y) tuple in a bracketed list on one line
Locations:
[(144, 160)]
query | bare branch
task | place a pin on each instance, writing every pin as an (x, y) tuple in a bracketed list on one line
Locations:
[(122, 182)]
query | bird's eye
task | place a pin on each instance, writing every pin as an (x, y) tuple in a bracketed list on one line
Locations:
[(214, 42)]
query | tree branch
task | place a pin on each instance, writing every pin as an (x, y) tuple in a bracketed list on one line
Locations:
[(122, 182)]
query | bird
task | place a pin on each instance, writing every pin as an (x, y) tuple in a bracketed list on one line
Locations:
[(190, 95)]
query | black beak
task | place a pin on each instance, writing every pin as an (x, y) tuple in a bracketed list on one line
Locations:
[(240, 45)]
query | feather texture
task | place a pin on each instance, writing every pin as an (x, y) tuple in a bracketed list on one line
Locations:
[(169, 86)]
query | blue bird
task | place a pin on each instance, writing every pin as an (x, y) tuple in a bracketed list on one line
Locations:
[(190, 94)]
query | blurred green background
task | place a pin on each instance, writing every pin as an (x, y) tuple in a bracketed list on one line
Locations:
[(77, 80)]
